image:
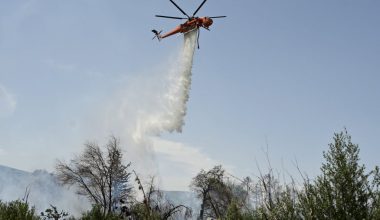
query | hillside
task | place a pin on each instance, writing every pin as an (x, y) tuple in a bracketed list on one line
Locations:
[(45, 190)]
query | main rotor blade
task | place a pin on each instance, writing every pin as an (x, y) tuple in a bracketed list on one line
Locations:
[(196, 11), (163, 16), (218, 17), (179, 8)]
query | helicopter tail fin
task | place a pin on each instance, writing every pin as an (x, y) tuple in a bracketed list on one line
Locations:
[(157, 35)]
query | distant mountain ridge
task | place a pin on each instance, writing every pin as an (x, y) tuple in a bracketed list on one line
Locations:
[(10, 175), (42, 189), (45, 190)]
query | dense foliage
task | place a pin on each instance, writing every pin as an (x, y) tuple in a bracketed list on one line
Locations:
[(343, 190), (17, 210)]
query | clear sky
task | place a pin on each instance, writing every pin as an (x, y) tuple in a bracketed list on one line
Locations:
[(282, 74)]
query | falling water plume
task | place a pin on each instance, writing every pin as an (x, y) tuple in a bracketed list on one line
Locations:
[(171, 110)]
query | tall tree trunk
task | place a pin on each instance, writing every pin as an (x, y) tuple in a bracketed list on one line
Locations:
[(110, 196), (201, 214)]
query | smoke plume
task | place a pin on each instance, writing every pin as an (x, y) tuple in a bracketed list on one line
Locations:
[(146, 107)]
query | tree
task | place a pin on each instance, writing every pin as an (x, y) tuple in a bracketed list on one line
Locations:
[(273, 199), (99, 175), (343, 190), (213, 192), (52, 213), (375, 204), (234, 212), (155, 206)]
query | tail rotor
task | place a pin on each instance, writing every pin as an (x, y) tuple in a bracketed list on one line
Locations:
[(157, 34)]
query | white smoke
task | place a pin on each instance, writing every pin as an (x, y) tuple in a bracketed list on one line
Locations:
[(39, 189), (150, 107), (146, 106), (7, 102), (171, 104)]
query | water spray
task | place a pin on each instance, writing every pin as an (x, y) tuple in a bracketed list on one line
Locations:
[(169, 115)]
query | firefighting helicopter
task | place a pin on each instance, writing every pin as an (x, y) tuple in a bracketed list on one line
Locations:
[(191, 24)]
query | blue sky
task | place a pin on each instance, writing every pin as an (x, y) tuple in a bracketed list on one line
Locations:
[(282, 74)]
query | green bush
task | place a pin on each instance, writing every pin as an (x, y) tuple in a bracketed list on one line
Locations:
[(97, 213), (17, 210)]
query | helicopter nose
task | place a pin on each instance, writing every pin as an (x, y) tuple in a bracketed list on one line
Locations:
[(209, 22)]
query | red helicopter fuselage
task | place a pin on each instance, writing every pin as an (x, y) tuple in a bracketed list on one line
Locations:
[(191, 24)]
